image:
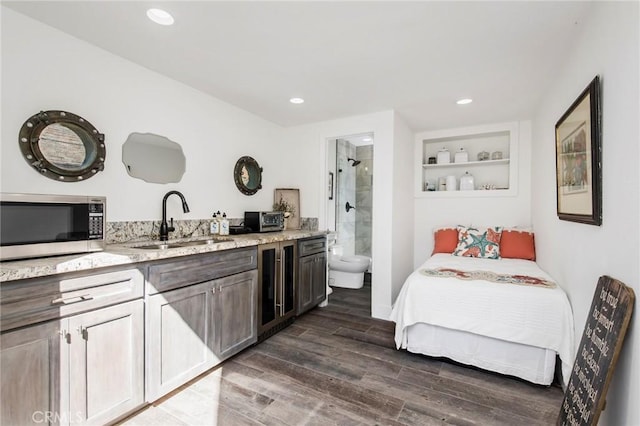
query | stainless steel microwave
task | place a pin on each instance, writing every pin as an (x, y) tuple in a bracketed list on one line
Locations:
[(264, 221), (33, 225)]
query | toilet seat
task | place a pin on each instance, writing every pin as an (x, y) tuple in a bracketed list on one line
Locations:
[(346, 271)]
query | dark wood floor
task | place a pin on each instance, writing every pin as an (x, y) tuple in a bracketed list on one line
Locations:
[(338, 366)]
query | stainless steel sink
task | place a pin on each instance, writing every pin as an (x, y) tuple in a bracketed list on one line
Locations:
[(204, 242), (159, 246), (165, 246)]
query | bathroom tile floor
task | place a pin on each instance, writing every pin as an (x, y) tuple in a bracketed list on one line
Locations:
[(338, 366)]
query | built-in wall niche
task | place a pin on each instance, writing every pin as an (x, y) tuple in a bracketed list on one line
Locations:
[(491, 153)]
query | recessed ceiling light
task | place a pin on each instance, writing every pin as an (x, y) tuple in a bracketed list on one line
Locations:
[(296, 100), (464, 101), (160, 16), (367, 139)]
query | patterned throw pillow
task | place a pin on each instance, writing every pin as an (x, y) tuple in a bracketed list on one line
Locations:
[(473, 242)]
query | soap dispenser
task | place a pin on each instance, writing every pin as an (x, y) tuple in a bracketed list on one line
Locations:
[(215, 224), (224, 225)]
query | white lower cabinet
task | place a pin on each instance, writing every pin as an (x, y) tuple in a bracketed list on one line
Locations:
[(85, 369)]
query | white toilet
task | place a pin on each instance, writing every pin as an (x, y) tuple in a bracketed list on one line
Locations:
[(346, 271)]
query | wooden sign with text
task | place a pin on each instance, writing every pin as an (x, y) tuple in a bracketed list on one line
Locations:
[(597, 354)]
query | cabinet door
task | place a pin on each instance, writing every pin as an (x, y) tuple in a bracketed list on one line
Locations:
[(268, 279), (287, 279), (235, 313), (106, 363), (34, 371), (305, 283), (319, 280), (312, 286), (180, 341)]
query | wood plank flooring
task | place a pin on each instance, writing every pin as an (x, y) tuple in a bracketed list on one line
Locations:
[(338, 366)]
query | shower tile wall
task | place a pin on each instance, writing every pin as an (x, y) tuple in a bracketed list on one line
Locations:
[(346, 191), (364, 200)]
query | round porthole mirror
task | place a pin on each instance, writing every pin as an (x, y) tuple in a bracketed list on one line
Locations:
[(62, 146), (248, 175)]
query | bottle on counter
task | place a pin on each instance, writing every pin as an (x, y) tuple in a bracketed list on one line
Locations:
[(224, 225), (215, 224)]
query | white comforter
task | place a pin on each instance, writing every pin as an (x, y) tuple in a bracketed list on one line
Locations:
[(523, 314)]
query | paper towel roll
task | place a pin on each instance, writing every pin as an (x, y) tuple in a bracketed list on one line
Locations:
[(451, 183)]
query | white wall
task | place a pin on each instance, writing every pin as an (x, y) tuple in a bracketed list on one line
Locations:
[(514, 210), (402, 205), (576, 254), (309, 142), (45, 69)]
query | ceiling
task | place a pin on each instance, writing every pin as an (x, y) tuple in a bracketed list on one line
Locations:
[(344, 58)]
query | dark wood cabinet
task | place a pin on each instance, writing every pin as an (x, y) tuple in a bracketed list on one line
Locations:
[(277, 286), (312, 273), (85, 368), (33, 372), (198, 324), (235, 313)]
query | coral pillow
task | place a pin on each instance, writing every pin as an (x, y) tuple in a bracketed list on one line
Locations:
[(446, 240), (473, 242), (515, 244)]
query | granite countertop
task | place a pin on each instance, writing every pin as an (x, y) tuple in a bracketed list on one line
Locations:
[(122, 254)]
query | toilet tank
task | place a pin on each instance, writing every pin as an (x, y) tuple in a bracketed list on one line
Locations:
[(336, 250)]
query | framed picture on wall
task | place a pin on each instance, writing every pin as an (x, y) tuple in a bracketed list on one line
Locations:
[(578, 159), (288, 201)]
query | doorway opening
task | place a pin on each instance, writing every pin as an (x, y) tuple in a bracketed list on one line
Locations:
[(350, 206)]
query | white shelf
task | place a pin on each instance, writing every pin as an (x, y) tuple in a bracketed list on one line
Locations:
[(478, 193), (467, 164), (501, 137)]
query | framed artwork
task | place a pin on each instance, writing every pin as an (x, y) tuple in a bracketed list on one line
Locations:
[(331, 185), (578, 159), (289, 197)]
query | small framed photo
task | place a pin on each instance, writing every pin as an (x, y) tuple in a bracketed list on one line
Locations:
[(288, 200), (578, 159)]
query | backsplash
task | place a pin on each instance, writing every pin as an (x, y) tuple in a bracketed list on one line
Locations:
[(127, 232)]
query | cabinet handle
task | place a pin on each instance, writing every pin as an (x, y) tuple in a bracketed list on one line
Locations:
[(282, 256), (63, 301), (66, 336), (83, 332)]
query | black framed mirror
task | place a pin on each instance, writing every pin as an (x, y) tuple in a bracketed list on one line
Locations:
[(247, 175), (62, 146)]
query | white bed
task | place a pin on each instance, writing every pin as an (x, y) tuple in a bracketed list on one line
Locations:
[(507, 328)]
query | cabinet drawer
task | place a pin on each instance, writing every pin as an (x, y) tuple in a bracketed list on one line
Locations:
[(200, 268), (311, 246), (35, 300)]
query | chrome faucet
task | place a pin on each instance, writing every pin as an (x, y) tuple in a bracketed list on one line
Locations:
[(164, 226)]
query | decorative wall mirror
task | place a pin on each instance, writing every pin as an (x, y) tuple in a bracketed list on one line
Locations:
[(62, 146), (248, 175), (153, 158)]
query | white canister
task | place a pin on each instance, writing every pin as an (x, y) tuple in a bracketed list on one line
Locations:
[(451, 183), (444, 156), (467, 182), (461, 156)]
